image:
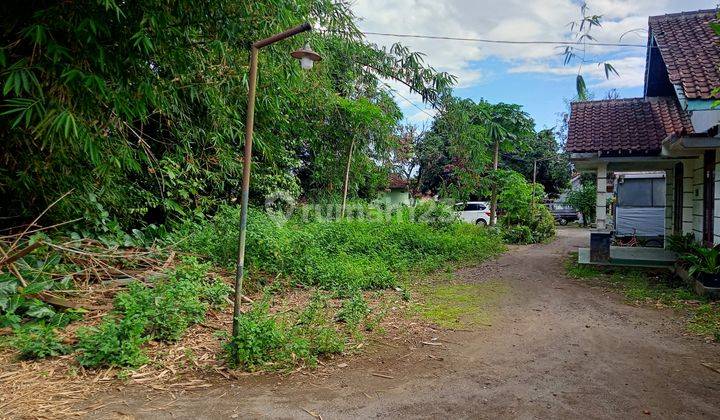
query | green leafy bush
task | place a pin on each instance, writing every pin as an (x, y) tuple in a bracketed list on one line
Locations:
[(216, 293), (703, 261), (314, 325), (260, 340), (37, 341), (682, 243), (436, 214), (518, 235), (175, 303), (521, 216), (267, 341), (354, 310), (168, 309), (542, 224), (163, 312), (584, 200), (115, 342)]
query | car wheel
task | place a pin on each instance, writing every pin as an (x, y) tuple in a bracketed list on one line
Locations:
[(481, 222), (562, 222)]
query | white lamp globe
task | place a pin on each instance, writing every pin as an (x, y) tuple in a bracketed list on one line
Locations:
[(306, 63), (306, 56)]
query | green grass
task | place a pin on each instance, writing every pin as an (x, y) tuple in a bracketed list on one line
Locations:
[(657, 287), (580, 271), (459, 305), (341, 256)]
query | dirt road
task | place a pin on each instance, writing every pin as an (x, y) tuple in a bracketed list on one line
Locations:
[(557, 348)]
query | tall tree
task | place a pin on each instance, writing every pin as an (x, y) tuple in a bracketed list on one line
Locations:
[(457, 156), (508, 127), (454, 154)]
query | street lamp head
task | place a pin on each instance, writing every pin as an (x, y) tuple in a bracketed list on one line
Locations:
[(306, 56)]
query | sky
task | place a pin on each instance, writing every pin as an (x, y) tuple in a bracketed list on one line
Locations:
[(530, 75)]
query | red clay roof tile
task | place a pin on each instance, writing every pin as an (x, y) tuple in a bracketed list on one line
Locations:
[(624, 126), (690, 50)]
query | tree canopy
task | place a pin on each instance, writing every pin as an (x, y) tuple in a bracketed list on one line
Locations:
[(457, 153), (138, 106)]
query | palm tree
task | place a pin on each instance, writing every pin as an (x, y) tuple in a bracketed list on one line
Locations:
[(506, 126)]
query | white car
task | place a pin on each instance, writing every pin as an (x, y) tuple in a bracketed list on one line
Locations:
[(477, 212)]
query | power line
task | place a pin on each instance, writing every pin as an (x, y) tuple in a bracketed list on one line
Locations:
[(395, 91), (501, 41)]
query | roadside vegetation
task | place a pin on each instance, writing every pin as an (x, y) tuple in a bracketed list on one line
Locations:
[(335, 261), (659, 288)]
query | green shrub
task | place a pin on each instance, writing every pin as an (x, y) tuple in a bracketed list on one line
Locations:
[(543, 224), (216, 293), (521, 216), (115, 342), (265, 341), (260, 340), (354, 310), (314, 326), (169, 308), (682, 244), (37, 341), (141, 313), (434, 213), (518, 234)]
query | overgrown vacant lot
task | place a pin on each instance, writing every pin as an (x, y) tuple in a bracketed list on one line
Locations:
[(317, 289)]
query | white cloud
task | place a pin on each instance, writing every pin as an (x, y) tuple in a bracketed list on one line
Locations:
[(517, 20), (631, 72)]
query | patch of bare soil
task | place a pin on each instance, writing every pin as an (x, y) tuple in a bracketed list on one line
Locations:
[(555, 348)]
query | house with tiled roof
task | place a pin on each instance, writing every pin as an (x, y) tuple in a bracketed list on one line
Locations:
[(397, 192), (672, 128)]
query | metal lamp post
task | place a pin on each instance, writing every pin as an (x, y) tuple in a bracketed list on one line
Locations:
[(307, 57)]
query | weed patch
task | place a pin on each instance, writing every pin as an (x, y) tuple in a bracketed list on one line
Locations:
[(340, 256), (163, 312), (267, 341), (459, 305), (354, 310), (37, 341), (115, 342)]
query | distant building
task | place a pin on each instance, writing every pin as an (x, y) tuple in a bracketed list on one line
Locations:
[(397, 192)]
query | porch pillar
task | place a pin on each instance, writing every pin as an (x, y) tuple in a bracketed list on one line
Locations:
[(688, 189), (601, 203)]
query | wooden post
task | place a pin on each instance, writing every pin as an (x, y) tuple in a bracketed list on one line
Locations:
[(247, 161)]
